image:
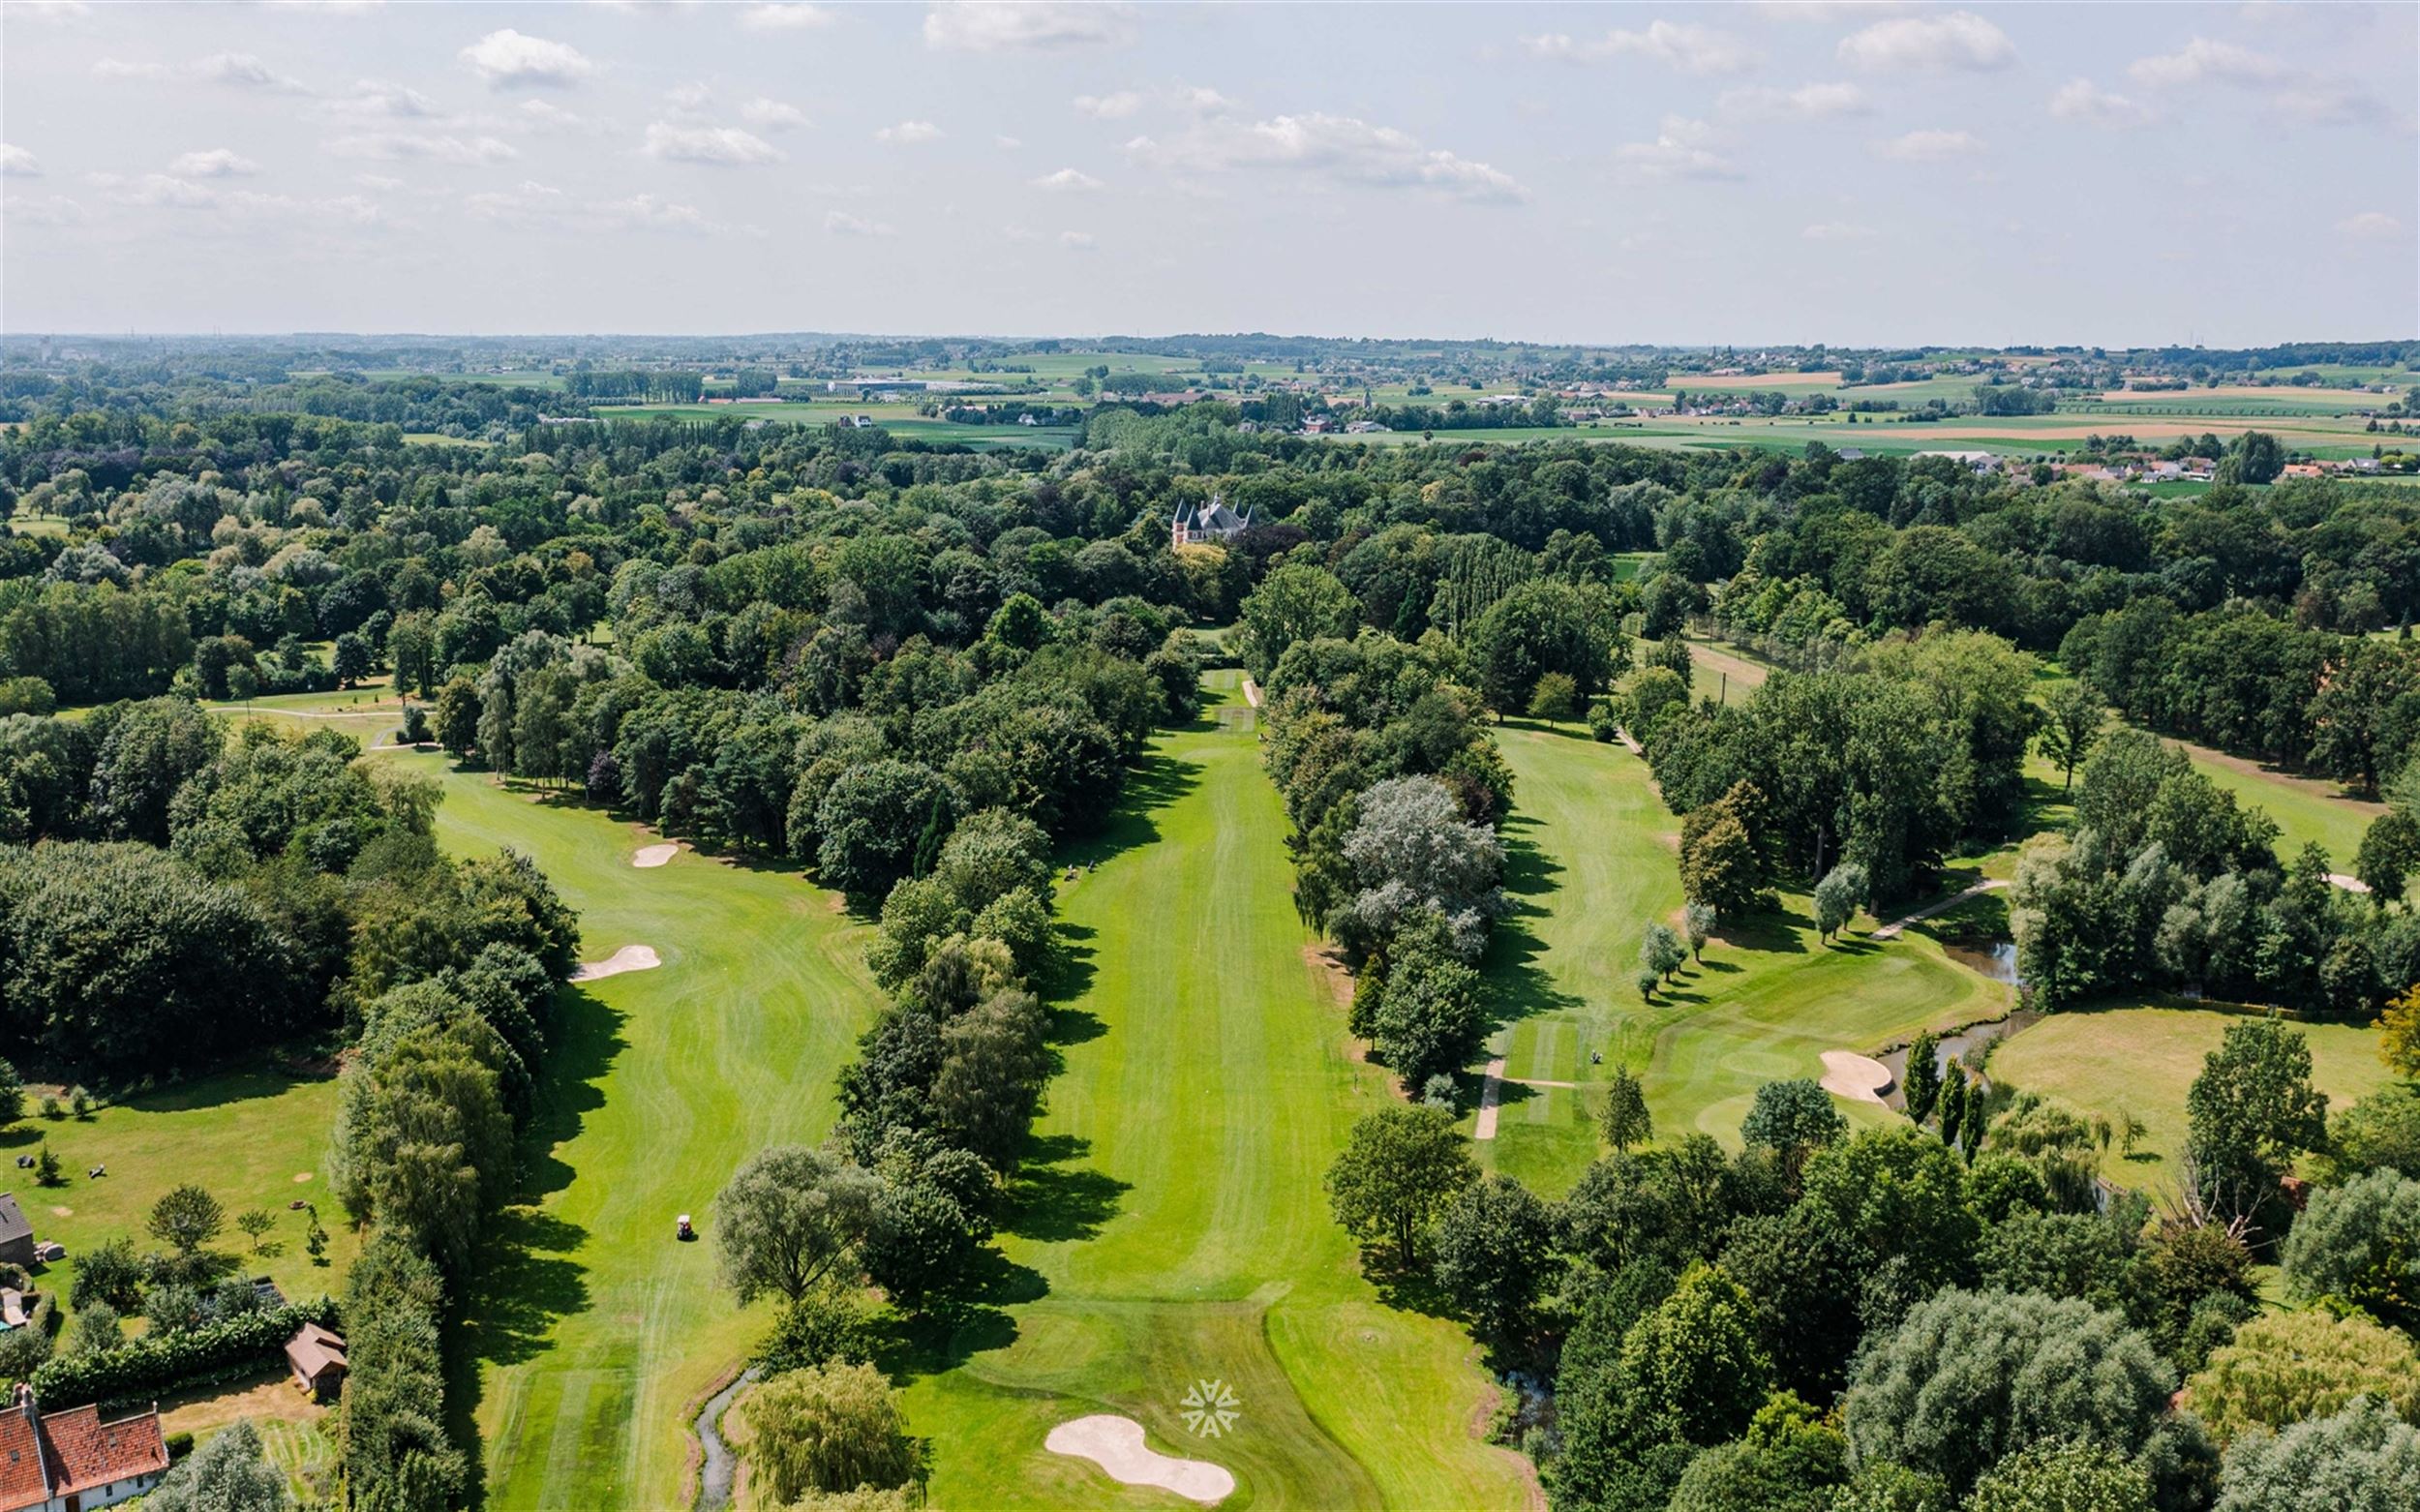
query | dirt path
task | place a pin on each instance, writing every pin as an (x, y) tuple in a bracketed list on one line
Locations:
[(1489, 1096), (1252, 692), (1747, 674), (1890, 930), (1623, 735), (720, 1465)]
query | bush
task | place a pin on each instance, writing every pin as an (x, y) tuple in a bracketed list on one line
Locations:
[(831, 1429), (2361, 1460), (2361, 1242), (2284, 1367)]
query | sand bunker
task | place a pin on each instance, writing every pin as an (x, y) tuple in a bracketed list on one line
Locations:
[(1116, 1444), (1849, 1075), (654, 855), (630, 957)]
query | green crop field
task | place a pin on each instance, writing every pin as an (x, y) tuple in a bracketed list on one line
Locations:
[(1589, 868), (2111, 1062), (1175, 1229)]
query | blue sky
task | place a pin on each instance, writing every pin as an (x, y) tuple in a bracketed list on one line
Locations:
[(1860, 174)]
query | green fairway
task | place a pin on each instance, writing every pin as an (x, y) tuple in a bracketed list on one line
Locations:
[(590, 1328), (2305, 809), (1590, 867), (2142, 1060), (1174, 1227)]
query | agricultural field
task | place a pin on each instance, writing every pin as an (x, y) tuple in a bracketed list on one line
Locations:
[(1172, 1227)]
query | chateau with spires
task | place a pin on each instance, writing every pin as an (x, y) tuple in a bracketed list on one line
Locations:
[(1210, 522)]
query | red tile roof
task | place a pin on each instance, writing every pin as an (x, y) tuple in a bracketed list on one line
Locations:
[(87, 1452), (72, 1451), (21, 1481)]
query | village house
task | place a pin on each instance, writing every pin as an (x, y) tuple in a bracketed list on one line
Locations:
[(16, 1233), (73, 1462)]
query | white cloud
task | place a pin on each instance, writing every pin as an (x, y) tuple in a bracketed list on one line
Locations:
[(1067, 179), (1341, 149), (379, 181), (46, 210), (1019, 233), (2301, 95), (1837, 231), (1202, 100), (1692, 49), (774, 116), (1108, 107), (1931, 146), (786, 17), (18, 162), (670, 141), (236, 70), (215, 163), (373, 97), (690, 97), (429, 146), (508, 60), (531, 203), (1812, 99), (154, 192), (1081, 241), (521, 202), (2082, 100), (646, 212), (907, 133), (1929, 43), (1007, 143), (2370, 226), (840, 222), (1683, 148), (1009, 25), (547, 116), (2202, 61)]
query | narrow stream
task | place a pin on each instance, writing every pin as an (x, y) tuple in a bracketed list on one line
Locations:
[(721, 1466)]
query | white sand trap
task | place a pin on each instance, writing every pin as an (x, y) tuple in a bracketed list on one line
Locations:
[(654, 855), (1116, 1444), (630, 957), (1859, 1078)]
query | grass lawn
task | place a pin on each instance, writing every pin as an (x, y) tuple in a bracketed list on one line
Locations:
[(590, 1328), (1174, 1227), (1590, 866), (253, 1138), (2113, 1061)]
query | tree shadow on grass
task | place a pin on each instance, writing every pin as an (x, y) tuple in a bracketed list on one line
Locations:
[(526, 1279), (1054, 1197), (945, 1332), (1772, 931), (1407, 1290), (1516, 985)]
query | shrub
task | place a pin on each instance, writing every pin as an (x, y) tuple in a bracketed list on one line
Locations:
[(156, 1363), (2286, 1367)]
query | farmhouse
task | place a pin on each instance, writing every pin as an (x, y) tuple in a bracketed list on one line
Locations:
[(16, 1233), (72, 1461), (317, 1359), (1210, 522)]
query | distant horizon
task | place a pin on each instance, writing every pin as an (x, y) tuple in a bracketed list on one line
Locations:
[(1106, 340)]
